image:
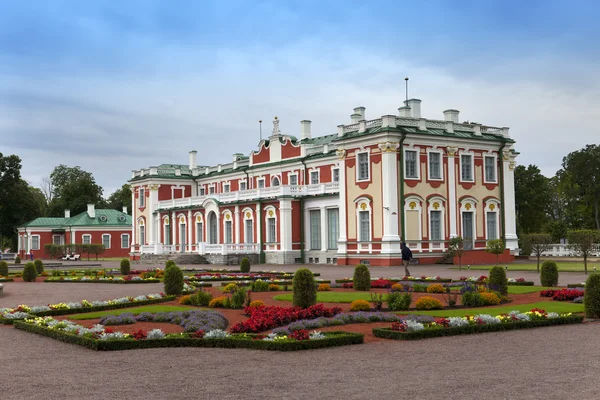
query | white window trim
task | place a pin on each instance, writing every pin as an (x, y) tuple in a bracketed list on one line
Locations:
[(212, 186), (473, 209), (334, 168), (267, 217), (366, 151), (243, 181), (358, 202), (310, 172), (289, 175), (90, 236), (38, 242), (441, 153), (226, 187), (128, 240), (109, 240), (496, 210), (419, 202), (442, 209), (258, 180), (495, 157), (245, 213), (273, 177), (142, 198), (418, 162), (198, 219), (460, 175), (327, 209), (224, 221), (167, 228), (202, 190), (59, 239)]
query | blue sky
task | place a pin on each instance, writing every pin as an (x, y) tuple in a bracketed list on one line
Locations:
[(115, 86)]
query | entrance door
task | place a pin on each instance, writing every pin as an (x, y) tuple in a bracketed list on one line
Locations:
[(182, 237), (212, 228), (467, 229)]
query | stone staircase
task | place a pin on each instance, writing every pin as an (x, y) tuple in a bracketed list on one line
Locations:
[(180, 259)]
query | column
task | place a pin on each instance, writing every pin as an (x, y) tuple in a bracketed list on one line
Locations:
[(189, 229), (150, 206), (237, 225), (285, 224), (389, 169), (133, 219), (324, 243), (452, 212), (173, 230), (343, 238), (510, 221), (258, 226)]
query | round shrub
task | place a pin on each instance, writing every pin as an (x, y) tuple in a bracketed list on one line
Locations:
[(396, 287), (39, 266), (497, 280), (472, 299), (125, 266), (549, 274), (360, 305), (305, 291), (257, 304), (173, 280), (489, 299), (238, 298), (218, 302), (324, 287), (200, 298), (186, 300), (245, 265), (4, 269), (436, 288), (29, 272), (398, 301), (591, 296), (273, 287), (17, 260), (168, 264), (260, 286), (362, 278), (230, 288), (428, 303)]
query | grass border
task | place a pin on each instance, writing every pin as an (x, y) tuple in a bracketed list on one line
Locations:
[(387, 333)]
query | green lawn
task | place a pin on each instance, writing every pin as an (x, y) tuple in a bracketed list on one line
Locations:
[(525, 289), (563, 266), (138, 310), (332, 297), (549, 306)]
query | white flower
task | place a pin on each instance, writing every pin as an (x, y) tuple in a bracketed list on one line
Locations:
[(487, 319), (156, 334), (457, 321), (216, 334), (316, 335), (552, 315), (413, 326)]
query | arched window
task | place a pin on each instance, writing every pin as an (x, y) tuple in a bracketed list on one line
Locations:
[(212, 228), (248, 226), (271, 221), (227, 227), (167, 230), (199, 228), (275, 181), (413, 221), (436, 214), (492, 222)]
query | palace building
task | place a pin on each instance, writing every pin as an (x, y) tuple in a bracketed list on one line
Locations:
[(343, 198)]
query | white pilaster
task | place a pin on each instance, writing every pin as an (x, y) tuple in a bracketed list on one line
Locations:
[(237, 223), (323, 228), (173, 227), (258, 219), (133, 219), (343, 214), (151, 206), (189, 229), (452, 212), (510, 220), (389, 169), (285, 224)]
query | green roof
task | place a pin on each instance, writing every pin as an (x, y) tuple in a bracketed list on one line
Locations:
[(102, 217), (46, 222), (320, 140)]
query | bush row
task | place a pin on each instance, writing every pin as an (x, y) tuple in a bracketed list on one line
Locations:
[(102, 308)]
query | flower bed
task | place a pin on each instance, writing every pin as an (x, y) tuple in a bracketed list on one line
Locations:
[(249, 283), (110, 279), (6, 279), (519, 282), (431, 279), (265, 318), (576, 285), (412, 330), (100, 338), (233, 276), (191, 321), (562, 294), (237, 271), (9, 315)]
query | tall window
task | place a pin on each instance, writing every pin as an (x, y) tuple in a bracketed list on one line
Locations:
[(332, 228), (315, 229), (142, 235), (490, 169), (211, 189), (293, 180), (364, 226), (86, 239), (226, 188), (336, 175), (124, 241), (242, 185), (491, 226), (436, 225), (35, 242), (248, 231), (228, 232), (199, 232), (56, 239), (167, 233), (271, 231), (202, 191), (106, 241), (466, 168), (435, 162), (275, 181), (142, 195), (363, 166), (314, 177), (261, 183), (411, 164)]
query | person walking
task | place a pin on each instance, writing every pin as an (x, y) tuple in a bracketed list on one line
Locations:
[(406, 257)]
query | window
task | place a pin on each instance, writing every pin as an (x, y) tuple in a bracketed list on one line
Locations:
[(86, 239), (142, 238), (167, 233), (261, 183), (242, 185), (199, 232), (272, 231), (211, 189), (314, 177), (410, 162), (56, 240), (466, 167), (335, 175), (226, 188), (332, 228), (35, 242), (293, 179), (363, 166), (491, 226), (275, 181), (435, 166), (202, 191), (142, 195), (228, 232), (490, 169), (248, 231), (436, 226), (124, 241), (364, 226), (315, 229), (106, 241)]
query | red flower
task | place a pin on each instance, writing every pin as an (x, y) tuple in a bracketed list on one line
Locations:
[(381, 284), (199, 334), (108, 330), (269, 317), (300, 334), (139, 335), (399, 326)]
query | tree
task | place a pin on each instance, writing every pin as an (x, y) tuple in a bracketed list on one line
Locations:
[(73, 189), (583, 243), (456, 247), (495, 246), (120, 198), (532, 199), (539, 243)]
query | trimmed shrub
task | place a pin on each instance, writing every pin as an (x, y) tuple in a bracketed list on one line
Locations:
[(362, 278), (428, 303), (436, 288), (200, 298), (396, 287), (257, 304), (591, 297), (549, 274), (218, 302), (273, 287), (17, 260), (238, 298), (324, 287), (125, 266), (29, 272), (173, 280), (305, 290), (39, 266), (419, 287), (168, 264), (498, 281), (360, 305), (489, 298), (398, 301), (4, 269), (231, 288), (186, 300), (260, 286), (245, 265), (472, 299)]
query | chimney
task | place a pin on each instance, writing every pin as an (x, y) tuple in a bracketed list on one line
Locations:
[(124, 209), (67, 213), (451, 115), (193, 159), (415, 107), (404, 112), (361, 111), (355, 118), (91, 210), (305, 129)]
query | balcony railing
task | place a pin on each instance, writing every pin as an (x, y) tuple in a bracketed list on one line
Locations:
[(253, 194), (228, 248)]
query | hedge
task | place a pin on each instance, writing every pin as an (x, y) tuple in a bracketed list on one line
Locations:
[(388, 333), (337, 338), (6, 279), (227, 271), (575, 285), (104, 281), (526, 283)]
